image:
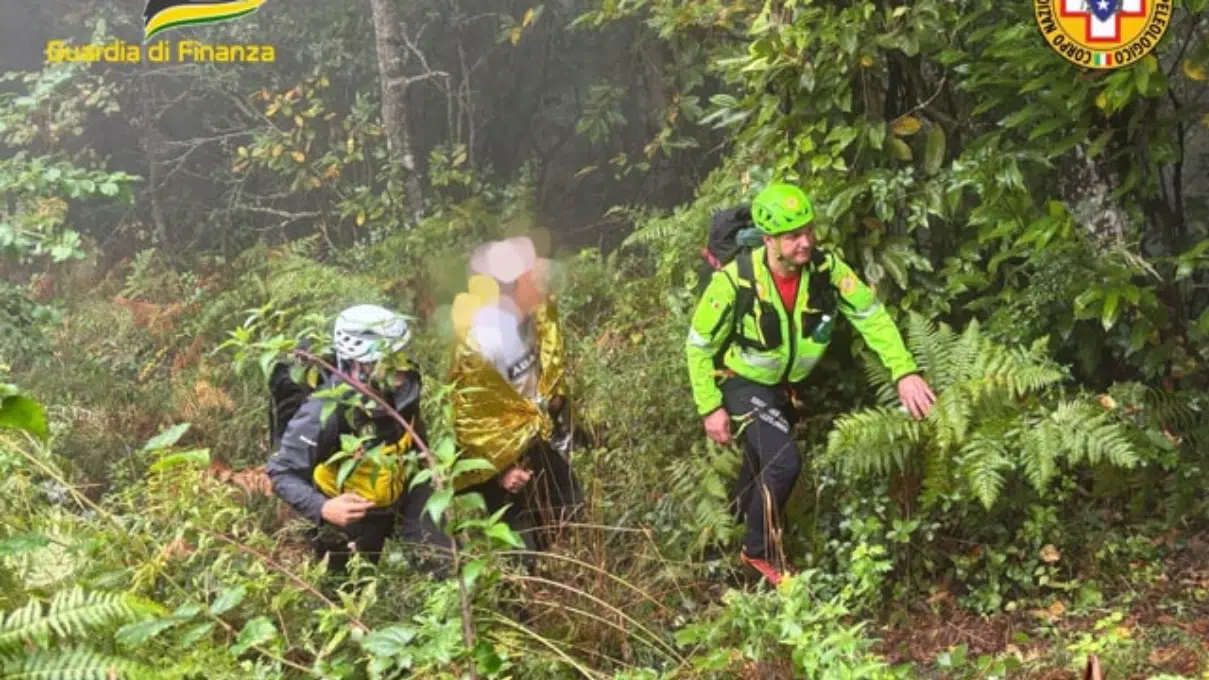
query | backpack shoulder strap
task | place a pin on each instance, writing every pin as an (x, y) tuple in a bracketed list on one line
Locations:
[(745, 294)]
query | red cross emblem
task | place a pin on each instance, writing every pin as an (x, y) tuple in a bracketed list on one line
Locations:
[(1103, 24)]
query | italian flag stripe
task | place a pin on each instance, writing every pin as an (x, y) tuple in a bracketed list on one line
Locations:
[(1103, 59)]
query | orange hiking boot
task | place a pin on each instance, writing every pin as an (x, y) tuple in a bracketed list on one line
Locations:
[(763, 566)]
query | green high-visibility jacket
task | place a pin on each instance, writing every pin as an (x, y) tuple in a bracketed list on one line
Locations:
[(771, 347)]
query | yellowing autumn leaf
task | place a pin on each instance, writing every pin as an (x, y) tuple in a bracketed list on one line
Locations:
[(528, 18), (515, 35), (298, 121), (298, 156), (866, 61), (277, 149), (1102, 101), (1107, 402), (349, 145), (1057, 609), (1194, 71), (361, 218), (315, 183), (905, 126)]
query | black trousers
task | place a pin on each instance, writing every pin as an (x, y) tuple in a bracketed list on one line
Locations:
[(551, 497), (771, 463)]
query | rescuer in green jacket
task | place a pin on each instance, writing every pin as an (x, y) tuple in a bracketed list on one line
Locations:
[(768, 352)]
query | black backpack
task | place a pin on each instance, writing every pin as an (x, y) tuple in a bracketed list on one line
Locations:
[(722, 246), (286, 396)]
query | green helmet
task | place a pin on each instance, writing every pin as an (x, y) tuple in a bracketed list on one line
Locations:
[(781, 208)]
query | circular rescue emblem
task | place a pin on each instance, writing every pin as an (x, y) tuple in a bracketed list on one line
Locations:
[(1102, 34), (791, 203), (847, 284)]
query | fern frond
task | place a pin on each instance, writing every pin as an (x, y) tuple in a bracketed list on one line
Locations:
[(704, 489), (72, 613), (1089, 433), (937, 476), (952, 414), (877, 440), (1039, 448), (931, 346), (70, 663), (879, 379), (964, 352), (983, 459)]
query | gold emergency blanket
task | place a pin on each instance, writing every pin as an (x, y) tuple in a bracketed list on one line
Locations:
[(491, 420)]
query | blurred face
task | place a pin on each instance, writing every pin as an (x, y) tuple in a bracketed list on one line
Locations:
[(528, 293), (792, 249)]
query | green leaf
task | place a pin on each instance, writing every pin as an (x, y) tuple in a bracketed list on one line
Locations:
[(22, 413), (1046, 127), (1098, 144), (877, 134), (390, 641), (326, 412), (228, 600), (194, 634), (446, 450), (504, 533), (135, 634), (471, 571), (899, 149), (471, 464), (1109, 314), (438, 502), (255, 632), (419, 478), (197, 457), (1084, 300), (166, 438), (934, 152), (110, 189), (346, 469)]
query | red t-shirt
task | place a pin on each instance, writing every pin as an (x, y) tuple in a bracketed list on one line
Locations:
[(788, 288)]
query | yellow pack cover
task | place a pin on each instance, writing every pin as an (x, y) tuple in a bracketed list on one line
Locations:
[(381, 484)]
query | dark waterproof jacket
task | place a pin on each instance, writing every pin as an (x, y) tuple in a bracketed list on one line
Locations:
[(307, 442)]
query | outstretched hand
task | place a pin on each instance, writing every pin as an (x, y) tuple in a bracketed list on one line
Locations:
[(916, 396), (514, 478), (345, 509), (717, 426)]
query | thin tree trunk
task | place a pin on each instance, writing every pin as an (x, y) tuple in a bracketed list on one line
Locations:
[(392, 61), (151, 146)]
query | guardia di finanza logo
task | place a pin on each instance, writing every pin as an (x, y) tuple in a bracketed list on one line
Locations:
[(1103, 34), (161, 15)]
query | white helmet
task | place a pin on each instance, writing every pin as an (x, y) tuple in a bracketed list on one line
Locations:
[(366, 333)]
